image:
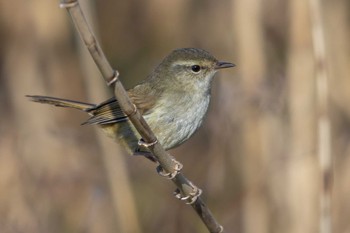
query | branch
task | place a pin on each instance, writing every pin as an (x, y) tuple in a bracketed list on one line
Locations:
[(168, 165)]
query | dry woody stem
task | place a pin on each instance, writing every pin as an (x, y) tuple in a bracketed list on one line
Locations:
[(167, 163), (324, 124)]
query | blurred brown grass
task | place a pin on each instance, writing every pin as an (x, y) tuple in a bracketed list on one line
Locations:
[(255, 157)]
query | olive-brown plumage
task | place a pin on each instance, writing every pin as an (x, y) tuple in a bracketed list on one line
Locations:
[(173, 99)]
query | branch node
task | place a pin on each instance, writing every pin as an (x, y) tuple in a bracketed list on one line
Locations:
[(68, 4), (114, 79), (170, 175), (141, 142), (191, 197), (221, 229)]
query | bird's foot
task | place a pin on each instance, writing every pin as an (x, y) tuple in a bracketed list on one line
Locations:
[(170, 175), (191, 197)]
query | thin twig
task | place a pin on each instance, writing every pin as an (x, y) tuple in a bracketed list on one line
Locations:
[(167, 163)]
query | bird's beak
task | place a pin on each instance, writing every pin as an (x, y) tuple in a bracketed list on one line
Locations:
[(223, 64)]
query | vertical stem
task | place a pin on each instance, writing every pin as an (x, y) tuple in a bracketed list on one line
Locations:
[(249, 30), (323, 121), (302, 183)]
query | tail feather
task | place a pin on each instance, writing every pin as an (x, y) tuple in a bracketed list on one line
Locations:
[(61, 102)]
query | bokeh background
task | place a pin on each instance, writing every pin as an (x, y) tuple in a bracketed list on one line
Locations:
[(272, 155)]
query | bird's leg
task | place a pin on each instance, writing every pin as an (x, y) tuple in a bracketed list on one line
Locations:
[(170, 175), (146, 154)]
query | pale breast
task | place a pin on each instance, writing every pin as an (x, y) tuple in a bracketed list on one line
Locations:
[(175, 121)]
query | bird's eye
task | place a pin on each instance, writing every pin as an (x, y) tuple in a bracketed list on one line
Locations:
[(196, 68)]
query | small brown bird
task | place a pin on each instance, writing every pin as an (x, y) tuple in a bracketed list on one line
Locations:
[(173, 100)]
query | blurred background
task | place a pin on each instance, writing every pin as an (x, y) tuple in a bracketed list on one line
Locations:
[(272, 155)]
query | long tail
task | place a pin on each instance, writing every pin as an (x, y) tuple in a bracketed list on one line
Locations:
[(61, 102)]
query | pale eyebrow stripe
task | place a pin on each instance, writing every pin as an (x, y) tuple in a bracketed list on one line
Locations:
[(185, 63), (190, 63)]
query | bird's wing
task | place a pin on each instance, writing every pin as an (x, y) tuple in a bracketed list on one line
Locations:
[(144, 99), (106, 112), (109, 111)]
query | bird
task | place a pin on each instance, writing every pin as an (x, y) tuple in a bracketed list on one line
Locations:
[(173, 100)]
